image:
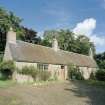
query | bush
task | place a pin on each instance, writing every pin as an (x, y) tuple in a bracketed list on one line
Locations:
[(29, 71), (6, 69), (44, 75), (1, 57), (100, 75), (74, 73), (36, 74), (92, 76)]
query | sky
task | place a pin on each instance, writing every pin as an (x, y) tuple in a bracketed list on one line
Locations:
[(81, 16)]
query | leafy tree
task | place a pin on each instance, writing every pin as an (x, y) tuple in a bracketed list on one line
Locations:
[(7, 20), (83, 45), (100, 59), (29, 35), (66, 40), (69, 41), (48, 37)]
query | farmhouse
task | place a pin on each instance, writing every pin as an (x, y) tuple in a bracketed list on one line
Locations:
[(52, 59)]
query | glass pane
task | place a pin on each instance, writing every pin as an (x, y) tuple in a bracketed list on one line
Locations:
[(45, 67)]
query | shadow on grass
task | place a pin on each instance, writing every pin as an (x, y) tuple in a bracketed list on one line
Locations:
[(7, 83), (96, 95)]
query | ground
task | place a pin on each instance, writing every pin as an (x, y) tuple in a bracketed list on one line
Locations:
[(62, 93)]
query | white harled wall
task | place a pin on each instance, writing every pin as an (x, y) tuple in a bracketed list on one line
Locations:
[(86, 72)]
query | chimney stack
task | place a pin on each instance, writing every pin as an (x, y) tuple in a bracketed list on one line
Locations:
[(91, 53), (11, 36), (55, 45)]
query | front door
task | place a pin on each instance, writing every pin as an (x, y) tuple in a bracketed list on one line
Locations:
[(62, 72)]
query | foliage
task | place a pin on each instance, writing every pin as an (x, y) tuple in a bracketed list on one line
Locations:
[(43, 75), (35, 73), (29, 71), (7, 20), (29, 35), (68, 41), (100, 75), (100, 59), (6, 69), (7, 65), (74, 73), (1, 57), (92, 76)]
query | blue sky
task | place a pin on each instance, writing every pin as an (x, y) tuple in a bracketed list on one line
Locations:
[(81, 16)]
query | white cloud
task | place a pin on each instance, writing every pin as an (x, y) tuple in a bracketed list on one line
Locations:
[(87, 28), (98, 40), (40, 34)]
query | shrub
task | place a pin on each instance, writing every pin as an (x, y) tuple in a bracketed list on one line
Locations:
[(6, 69), (29, 71), (1, 57), (43, 75), (92, 76), (100, 75), (35, 73), (74, 73)]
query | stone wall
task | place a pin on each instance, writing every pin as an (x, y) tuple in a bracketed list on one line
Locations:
[(7, 53), (20, 65), (53, 69), (56, 70), (86, 71), (20, 78)]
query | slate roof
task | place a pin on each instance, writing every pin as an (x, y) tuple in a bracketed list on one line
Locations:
[(26, 52)]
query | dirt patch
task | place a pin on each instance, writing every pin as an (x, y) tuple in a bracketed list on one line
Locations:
[(67, 93)]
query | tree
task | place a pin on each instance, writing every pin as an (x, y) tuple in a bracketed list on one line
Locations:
[(68, 41), (48, 37), (84, 45), (29, 35), (100, 59), (7, 20)]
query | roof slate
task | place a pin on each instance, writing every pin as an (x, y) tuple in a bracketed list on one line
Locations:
[(26, 52)]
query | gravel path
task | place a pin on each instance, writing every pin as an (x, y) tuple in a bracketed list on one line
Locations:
[(67, 93)]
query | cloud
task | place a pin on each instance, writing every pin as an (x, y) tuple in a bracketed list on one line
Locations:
[(98, 40), (40, 34), (87, 28)]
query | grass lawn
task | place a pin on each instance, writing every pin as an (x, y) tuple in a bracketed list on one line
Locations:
[(6, 83), (56, 93)]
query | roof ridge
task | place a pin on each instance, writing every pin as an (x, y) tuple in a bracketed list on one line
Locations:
[(33, 44), (51, 48), (74, 53)]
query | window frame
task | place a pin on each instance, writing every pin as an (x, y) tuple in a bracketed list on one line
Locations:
[(41, 66), (62, 66)]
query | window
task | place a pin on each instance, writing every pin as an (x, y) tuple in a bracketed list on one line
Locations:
[(45, 67), (62, 67), (42, 66)]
